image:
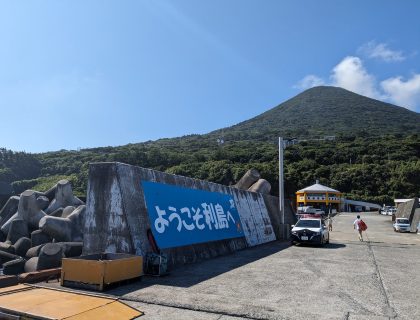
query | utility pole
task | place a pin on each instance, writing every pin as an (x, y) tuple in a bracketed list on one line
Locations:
[(282, 146), (281, 180)]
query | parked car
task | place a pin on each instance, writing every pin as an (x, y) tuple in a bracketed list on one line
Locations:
[(402, 225), (306, 210), (310, 230), (388, 210)]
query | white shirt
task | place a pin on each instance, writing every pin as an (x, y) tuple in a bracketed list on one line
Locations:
[(356, 223)]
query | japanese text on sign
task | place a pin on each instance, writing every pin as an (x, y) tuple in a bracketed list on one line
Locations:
[(212, 216), (181, 216)]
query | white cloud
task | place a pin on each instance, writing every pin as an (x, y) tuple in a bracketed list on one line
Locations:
[(350, 74), (309, 81), (403, 93), (381, 51)]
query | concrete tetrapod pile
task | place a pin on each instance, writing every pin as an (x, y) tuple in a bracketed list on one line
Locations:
[(38, 229), (252, 181)]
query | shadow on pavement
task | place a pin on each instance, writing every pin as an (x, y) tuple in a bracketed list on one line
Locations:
[(334, 246), (326, 246), (189, 275)]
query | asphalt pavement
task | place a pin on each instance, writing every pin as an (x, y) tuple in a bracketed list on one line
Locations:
[(347, 279)]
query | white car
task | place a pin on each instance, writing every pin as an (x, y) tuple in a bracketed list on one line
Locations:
[(402, 225), (388, 210), (310, 230)]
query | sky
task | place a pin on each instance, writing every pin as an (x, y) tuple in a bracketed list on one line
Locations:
[(80, 74)]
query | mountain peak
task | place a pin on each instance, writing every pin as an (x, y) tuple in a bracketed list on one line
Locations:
[(328, 110), (323, 92)]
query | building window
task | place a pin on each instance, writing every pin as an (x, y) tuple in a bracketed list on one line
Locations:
[(316, 196)]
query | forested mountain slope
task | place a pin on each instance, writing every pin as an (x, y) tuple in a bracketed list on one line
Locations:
[(323, 111)]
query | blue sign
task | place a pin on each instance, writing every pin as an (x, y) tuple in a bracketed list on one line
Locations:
[(181, 216)]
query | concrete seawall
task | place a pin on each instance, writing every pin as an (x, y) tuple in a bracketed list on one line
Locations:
[(117, 219), (411, 211)]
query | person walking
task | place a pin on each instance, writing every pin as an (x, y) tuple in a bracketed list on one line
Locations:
[(358, 225), (329, 223)]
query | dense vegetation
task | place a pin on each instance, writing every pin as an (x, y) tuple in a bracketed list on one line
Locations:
[(366, 164), (372, 169)]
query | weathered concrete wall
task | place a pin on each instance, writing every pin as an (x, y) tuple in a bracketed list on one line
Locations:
[(289, 214), (400, 210), (415, 221), (272, 204), (406, 209), (117, 219), (409, 210)]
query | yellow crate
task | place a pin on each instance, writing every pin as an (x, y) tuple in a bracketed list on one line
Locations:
[(99, 270)]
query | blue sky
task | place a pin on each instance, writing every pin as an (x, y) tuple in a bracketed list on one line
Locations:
[(78, 74)]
